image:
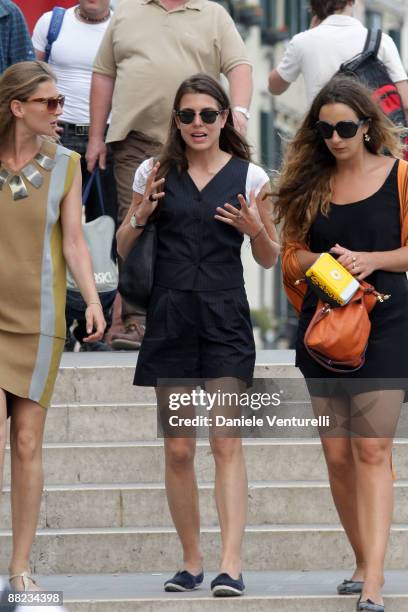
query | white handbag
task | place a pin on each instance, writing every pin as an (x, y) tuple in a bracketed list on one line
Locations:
[(99, 235)]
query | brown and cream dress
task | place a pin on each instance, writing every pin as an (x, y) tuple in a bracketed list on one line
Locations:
[(32, 272)]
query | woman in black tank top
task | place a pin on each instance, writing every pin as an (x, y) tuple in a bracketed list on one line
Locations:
[(339, 193), (198, 327)]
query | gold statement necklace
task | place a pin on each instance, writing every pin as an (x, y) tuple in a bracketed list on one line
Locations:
[(30, 172)]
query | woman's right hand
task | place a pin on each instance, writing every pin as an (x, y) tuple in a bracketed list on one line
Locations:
[(151, 196)]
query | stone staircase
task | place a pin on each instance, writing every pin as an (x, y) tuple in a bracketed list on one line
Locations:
[(105, 535)]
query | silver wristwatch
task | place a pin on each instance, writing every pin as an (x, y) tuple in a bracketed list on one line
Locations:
[(134, 223), (243, 110)]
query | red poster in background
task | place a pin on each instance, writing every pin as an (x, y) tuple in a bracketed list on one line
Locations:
[(33, 9)]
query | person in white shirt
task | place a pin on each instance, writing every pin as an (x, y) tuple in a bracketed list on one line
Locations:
[(335, 36), (72, 57)]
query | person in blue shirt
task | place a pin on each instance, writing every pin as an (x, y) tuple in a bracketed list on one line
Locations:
[(15, 41)]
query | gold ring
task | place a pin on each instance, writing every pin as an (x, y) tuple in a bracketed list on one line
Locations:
[(353, 258)]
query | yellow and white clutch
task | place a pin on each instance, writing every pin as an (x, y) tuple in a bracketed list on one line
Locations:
[(331, 281)]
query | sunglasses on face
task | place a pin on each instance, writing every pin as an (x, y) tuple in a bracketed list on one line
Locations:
[(207, 115), (51, 103), (345, 129)]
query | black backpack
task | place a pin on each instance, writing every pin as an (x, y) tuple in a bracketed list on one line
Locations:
[(371, 71)]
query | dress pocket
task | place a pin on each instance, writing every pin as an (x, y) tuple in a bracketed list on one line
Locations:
[(156, 321), (168, 315), (226, 310)]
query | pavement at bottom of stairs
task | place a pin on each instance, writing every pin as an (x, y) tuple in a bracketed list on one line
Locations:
[(258, 584)]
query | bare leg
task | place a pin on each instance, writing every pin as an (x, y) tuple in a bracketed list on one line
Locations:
[(26, 436), (374, 480), (341, 468), (3, 436), (181, 486), (231, 483)]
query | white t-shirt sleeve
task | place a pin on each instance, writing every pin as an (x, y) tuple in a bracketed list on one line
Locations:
[(392, 60), (256, 179), (39, 38), (141, 175), (290, 66)]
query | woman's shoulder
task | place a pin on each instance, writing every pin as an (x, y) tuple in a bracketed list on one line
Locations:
[(141, 175), (254, 171), (146, 165), (256, 177), (54, 149), (56, 152)]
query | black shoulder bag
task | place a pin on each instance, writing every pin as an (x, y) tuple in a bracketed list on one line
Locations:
[(137, 273)]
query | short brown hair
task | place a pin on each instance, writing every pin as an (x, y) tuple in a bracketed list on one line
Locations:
[(324, 8)]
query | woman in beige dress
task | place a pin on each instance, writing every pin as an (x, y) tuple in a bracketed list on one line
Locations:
[(40, 232)]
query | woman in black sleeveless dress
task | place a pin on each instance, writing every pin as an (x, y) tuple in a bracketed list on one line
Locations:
[(338, 193), (369, 225), (198, 325)]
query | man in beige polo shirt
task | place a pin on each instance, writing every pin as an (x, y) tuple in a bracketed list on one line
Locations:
[(149, 48)]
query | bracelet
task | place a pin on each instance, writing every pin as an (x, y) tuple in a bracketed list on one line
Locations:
[(257, 234), (96, 303), (134, 224)]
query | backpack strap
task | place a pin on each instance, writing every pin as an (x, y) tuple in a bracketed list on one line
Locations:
[(58, 14), (373, 41)]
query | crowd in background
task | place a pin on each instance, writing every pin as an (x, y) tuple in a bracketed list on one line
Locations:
[(118, 81)]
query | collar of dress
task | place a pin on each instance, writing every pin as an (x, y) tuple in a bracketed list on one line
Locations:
[(341, 20)]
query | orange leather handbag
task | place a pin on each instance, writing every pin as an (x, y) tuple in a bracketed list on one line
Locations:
[(337, 337)]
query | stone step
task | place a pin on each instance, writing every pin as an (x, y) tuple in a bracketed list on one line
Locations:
[(119, 422), (108, 377), (145, 504), (266, 547), (265, 592), (142, 461), (100, 422)]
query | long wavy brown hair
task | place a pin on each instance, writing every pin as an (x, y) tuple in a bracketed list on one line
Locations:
[(231, 141), (303, 187)]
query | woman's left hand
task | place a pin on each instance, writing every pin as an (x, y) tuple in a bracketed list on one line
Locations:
[(94, 320), (359, 263), (246, 220)]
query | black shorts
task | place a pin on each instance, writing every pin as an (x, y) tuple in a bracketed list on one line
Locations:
[(196, 334)]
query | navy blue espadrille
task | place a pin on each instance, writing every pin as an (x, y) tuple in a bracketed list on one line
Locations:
[(225, 586), (350, 587), (369, 605), (183, 581)]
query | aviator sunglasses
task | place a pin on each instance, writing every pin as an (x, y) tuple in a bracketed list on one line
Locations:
[(208, 115), (345, 129), (51, 103)]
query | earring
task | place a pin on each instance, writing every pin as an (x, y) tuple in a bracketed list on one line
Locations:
[(367, 137)]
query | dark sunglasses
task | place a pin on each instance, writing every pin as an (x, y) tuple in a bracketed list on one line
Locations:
[(207, 115), (51, 103), (345, 129)]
